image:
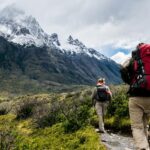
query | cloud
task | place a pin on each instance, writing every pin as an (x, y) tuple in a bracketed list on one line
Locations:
[(98, 23), (4, 3)]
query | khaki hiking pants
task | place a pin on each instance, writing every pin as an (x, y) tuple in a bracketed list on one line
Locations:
[(101, 111), (139, 109)]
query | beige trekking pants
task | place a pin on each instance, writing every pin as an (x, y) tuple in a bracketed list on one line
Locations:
[(101, 111), (139, 109)]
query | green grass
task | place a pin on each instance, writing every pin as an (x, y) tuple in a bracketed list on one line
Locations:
[(59, 121), (118, 124), (23, 136)]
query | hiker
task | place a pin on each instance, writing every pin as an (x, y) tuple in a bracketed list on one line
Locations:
[(100, 99), (136, 73)]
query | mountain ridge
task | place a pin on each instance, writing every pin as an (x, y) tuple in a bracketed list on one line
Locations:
[(72, 63), (17, 27)]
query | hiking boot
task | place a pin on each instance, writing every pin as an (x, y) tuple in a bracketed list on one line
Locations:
[(100, 131)]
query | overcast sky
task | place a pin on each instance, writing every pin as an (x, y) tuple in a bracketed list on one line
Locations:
[(110, 26)]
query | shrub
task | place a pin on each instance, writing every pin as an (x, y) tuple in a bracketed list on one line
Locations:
[(5, 107), (25, 108), (73, 110), (118, 109), (47, 114), (76, 112), (119, 104), (7, 140)]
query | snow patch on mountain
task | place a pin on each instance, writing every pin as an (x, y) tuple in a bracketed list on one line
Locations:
[(74, 46), (120, 57), (21, 28), (5, 29)]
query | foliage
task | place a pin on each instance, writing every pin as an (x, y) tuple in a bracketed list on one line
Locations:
[(25, 109), (7, 140), (21, 135), (119, 103), (47, 114), (76, 112), (117, 116), (7, 136), (5, 107), (73, 110), (60, 121), (55, 138)]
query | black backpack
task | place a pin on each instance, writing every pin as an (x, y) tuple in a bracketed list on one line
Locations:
[(102, 94)]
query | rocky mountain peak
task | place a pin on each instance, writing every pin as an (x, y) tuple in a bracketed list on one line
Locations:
[(70, 39), (65, 63), (17, 27), (75, 42), (20, 28), (54, 39)]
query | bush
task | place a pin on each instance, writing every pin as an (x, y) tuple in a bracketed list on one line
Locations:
[(47, 114), (119, 104), (73, 110), (7, 140), (76, 111), (5, 107), (25, 108), (117, 116)]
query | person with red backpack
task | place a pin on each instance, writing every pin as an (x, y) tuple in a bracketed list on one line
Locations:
[(137, 74), (100, 98)]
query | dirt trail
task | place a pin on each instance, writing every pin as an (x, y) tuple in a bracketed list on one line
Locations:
[(117, 142)]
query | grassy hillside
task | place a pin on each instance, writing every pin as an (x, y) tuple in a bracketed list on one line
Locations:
[(48, 121), (22, 135), (18, 84), (58, 121)]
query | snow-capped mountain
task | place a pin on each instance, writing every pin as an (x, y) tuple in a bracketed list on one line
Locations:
[(23, 29), (75, 46), (26, 50), (20, 28)]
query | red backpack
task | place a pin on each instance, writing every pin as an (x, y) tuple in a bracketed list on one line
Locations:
[(141, 67)]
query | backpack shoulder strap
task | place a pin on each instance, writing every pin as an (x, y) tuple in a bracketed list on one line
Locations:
[(102, 87)]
